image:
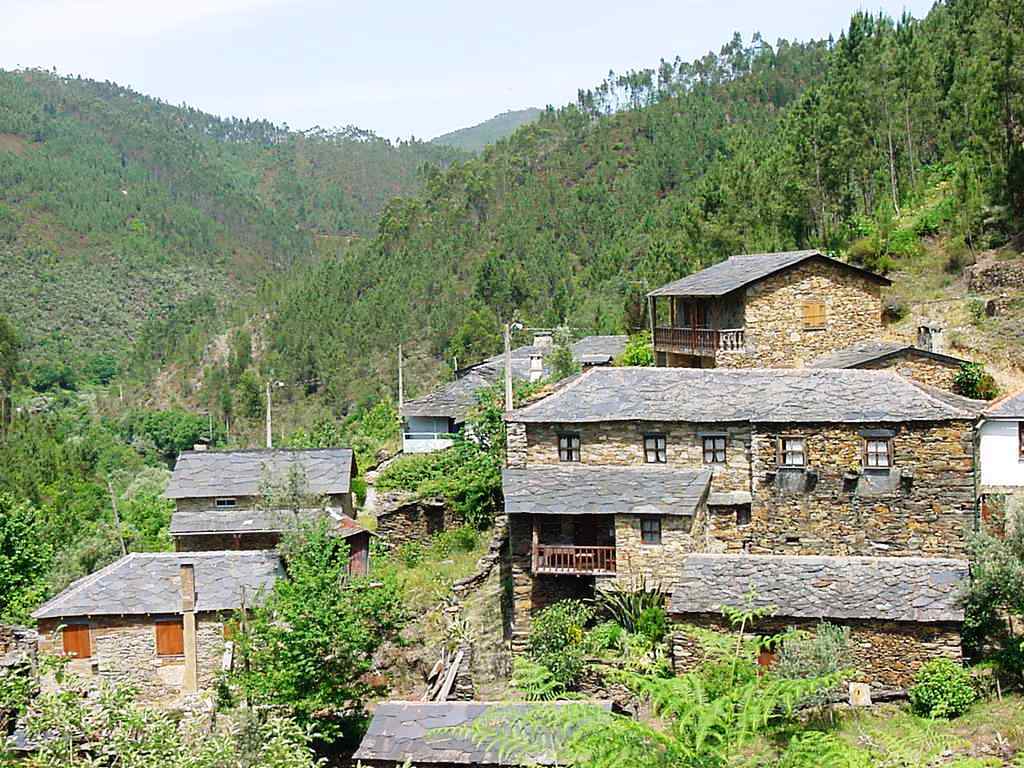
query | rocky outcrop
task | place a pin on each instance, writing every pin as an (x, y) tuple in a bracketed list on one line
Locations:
[(994, 276)]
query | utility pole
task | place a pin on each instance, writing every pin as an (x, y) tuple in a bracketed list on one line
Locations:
[(401, 382), (117, 517), (270, 434), (508, 367)]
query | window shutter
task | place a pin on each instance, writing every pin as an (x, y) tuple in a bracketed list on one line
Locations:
[(77, 641), (814, 314), (170, 638)]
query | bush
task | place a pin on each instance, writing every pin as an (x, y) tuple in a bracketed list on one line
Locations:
[(556, 639), (639, 351), (625, 605), (972, 380), (814, 655), (461, 539), (653, 623), (606, 636), (942, 688), (411, 554)]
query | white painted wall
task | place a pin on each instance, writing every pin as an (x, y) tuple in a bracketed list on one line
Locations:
[(1000, 454)]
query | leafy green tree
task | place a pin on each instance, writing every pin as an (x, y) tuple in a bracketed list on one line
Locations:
[(249, 395), (9, 355), (25, 558), (639, 350), (562, 363), (308, 648)]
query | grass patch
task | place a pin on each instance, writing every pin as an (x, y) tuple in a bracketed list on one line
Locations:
[(427, 576)]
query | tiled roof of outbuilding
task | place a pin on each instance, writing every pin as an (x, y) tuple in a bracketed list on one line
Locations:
[(818, 587), (873, 351), (1008, 407), (254, 521), (400, 731), (454, 399), (583, 490), (807, 395), (206, 474), (742, 270), (150, 583)]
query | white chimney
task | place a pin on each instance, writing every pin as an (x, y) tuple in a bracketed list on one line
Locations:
[(543, 340), (536, 367), (930, 338)]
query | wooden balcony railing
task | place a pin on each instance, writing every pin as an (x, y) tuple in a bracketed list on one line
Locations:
[(558, 558), (706, 342)]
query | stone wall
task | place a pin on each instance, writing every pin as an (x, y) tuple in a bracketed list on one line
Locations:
[(124, 651), (515, 445), (996, 275), (927, 509), (886, 654), (402, 519), (217, 542), (658, 564), (622, 444), (928, 370), (774, 333), (339, 501)]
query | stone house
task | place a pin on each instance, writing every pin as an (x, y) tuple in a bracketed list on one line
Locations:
[(156, 620), (430, 421), (900, 611), (219, 503), (770, 310), (405, 733), (1001, 459), (772, 462)]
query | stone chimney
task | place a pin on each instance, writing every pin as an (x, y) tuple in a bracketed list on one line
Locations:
[(190, 683), (930, 338), (536, 367), (543, 341)]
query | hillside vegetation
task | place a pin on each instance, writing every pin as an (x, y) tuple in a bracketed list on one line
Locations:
[(115, 207), (657, 173), (476, 137)]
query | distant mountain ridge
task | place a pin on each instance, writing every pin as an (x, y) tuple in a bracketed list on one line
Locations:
[(476, 137)]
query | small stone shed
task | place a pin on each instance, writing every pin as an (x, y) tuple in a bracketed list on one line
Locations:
[(208, 484), (928, 367), (901, 611), (155, 620), (404, 731)]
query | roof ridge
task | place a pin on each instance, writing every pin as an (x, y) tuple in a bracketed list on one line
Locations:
[(558, 389), (930, 392)]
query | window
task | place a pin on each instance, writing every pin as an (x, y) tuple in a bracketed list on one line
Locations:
[(77, 641), (791, 452), (655, 451), (814, 315), (877, 453), (743, 514), (225, 503), (170, 638), (714, 450), (569, 447), (1020, 439), (650, 530)]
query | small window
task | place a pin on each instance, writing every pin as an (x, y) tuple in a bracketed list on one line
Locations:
[(569, 447), (814, 315), (650, 530), (170, 638), (655, 451), (792, 453), (743, 515), (714, 450), (877, 453), (77, 641), (226, 503)]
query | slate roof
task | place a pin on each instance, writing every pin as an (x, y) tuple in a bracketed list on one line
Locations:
[(253, 521), (874, 351), (1008, 407), (207, 474), (455, 399), (813, 587), (742, 270), (400, 731), (807, 395), (582, 490), (150, 583)]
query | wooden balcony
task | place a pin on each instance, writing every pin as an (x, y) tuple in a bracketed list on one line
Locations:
[(573, 560), (705, 342)]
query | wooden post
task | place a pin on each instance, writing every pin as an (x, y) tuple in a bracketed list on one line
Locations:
[(401, 381), (652, 307), (270, 434), (536, 541), (190, 684), (508, 369)]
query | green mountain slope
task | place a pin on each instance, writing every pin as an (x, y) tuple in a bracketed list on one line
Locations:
[(655, 174), (115, 207), (476, 137)]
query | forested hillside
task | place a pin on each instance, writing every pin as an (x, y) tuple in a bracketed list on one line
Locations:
[(115, 207), (476, 137), (893, 132)]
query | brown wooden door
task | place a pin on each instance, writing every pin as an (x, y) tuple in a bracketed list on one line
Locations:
[(77, 641), (170, 638)]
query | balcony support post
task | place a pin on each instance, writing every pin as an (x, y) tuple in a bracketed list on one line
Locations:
[(536, 541)]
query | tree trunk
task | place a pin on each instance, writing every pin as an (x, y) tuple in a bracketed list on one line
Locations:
[(892, 158)]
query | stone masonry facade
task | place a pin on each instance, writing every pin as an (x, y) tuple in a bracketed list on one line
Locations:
[(340, 501), (996, 276), (124, 651), (936, 373), (886, 654), (774, 333), (402, 519)]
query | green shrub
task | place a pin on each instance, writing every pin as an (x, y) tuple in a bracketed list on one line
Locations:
[(942, 688), (807, 655), (639, 351), (461, 539), (814, 749), (653, 623), (624, 605), (556, 639), (410, 554), (606, 636), (972, 380)]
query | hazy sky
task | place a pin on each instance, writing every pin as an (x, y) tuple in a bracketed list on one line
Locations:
[(398, 68)]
